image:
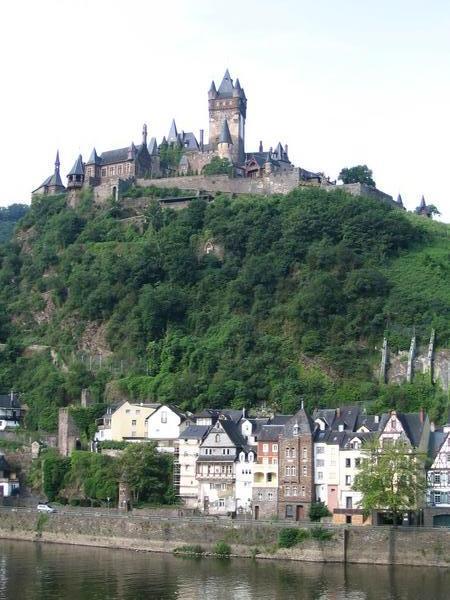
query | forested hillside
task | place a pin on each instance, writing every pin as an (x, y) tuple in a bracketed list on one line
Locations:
[(293, 304), (9, 217)]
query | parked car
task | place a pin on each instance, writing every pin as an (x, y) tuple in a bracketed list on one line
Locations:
[(45, 508)]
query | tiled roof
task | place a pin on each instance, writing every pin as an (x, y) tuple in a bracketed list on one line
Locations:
[(195, 432)]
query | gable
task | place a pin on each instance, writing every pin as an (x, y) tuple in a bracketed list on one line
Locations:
[(217, 437)]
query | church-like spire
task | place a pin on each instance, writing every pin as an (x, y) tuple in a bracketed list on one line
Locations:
[(400, 201), (173, 133), (423, 204), (153, 146), (78, 167), (131, 151), (93, 158), (225, 136), (57, 163)]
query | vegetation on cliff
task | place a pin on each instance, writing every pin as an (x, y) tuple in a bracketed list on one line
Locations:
[(9, 217), (293, 304)]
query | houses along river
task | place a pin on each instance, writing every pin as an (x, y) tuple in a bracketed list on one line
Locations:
[(32, 571)]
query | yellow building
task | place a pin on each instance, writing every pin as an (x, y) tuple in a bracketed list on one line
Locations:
[(128, 421)]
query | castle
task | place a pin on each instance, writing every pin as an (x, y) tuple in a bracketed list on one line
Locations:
[(180, 160)]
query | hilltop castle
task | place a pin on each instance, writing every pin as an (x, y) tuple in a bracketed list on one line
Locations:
[(180, 160)]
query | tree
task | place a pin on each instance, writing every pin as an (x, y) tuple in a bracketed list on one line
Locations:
[(148, 472), (391, 478), (217, 166), (357, 174), (317, 510)]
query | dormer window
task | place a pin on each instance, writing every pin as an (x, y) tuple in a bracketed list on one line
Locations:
[(217, 438), (295, 429)]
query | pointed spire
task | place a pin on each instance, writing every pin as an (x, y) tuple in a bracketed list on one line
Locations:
[(225, 136), (260, 146), (213, 87), (144, 134), (279, 151), (173, 133), (237, 85), (57, 163), (153, 146), (131, 151), (78, 167), (400, 200), (423, 204), (226, 87), (94, 158)]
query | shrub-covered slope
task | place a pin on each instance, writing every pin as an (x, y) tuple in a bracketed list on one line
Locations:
[(293, 303)]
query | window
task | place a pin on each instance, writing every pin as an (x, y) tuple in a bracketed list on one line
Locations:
[(319, 475), (104, 172), (138, 412), (127, 412), (348, 480), (387, 442), (224, 486), (269, 477), (437, 479), (303, 490), (294, 490), (260, 496), (292, 452), (288, 452), (320, 450), (274, 447), (288, 471), (119, 169), (289, 511), (357, 462), (320, 462), (221, 502), (265, 447), (269, 496), (265, 460), (347, 463), (437, 497), (305, 470), (274, 461), (305, 453), (217, 438), (163, 416), (133, 423)]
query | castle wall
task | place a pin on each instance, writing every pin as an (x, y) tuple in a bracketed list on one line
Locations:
[(278, 183)]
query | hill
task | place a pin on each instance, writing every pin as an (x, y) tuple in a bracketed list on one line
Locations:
[(9, 217), (241, 302)]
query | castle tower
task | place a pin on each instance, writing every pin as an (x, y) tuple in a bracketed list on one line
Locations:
[(228, 103), (92, 172), (225, 144), (75, 177)]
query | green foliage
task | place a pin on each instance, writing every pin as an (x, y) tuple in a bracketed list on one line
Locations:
[(113, 445), (391, 478), (9, 217), (357, 174), (169, 157), (54, 471), (195, 549), (222, 549), (218, 166), (306, 288), (148, 473), (318, 510), (85, 418), (95, 474), (291, 536), (321, 534)]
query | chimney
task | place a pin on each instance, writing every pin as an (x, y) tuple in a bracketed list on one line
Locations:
[(243, 412), (261, 146), (11, 396), (338, 412), (421, 415), (202, 133), (432, 427), (377, 419)]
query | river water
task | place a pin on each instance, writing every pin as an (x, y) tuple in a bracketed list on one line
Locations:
[(50, 571)]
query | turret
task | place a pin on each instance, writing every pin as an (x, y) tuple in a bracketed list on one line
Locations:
[(144, 134), (131, 151), (224, 146), (75, 177), (173, 133), (400, 201)]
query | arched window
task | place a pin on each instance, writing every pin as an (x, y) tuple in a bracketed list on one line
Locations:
[(217, 438)]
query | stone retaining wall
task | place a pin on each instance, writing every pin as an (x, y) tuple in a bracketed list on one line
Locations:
[(369, 545)]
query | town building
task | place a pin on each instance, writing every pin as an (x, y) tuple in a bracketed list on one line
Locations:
[(186, 455), (125, 421), (164, 425), (296, 476), (10, 410), (9, 484)]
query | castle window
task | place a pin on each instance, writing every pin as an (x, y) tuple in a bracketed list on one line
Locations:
[(305, 453), (104, 172), (293, 471), (288, 471), (269, 496), (287, 491), (119, 169), (294, 491), (305, 471)]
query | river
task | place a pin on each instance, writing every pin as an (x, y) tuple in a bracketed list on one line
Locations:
[(33, 571)]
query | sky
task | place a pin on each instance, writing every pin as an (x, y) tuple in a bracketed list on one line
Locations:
[(342, 83)]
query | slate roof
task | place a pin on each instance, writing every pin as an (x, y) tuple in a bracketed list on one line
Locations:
[(188, 140), (7, 402), (120, 155), (226, 87), (153, 146), (279, 419), (411, 423), (225, 136), (367, 421), (94, 159), (437, 438), (173, 133), (233, 432), (270, 433), (215, 413), (302, 420), (216, 458), (195, 432), (4, 465), (78, 168)]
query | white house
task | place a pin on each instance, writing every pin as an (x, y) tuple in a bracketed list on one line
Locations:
[(186, 454), (438, 475), (244, 470), (9, 484), (10, 410), (164, 426)]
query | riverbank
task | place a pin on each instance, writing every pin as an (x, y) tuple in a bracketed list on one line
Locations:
[(363, 545)]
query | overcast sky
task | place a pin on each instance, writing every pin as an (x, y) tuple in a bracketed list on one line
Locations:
[(341, 83)]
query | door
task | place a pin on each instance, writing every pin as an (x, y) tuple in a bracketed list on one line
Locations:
[(256, 513), (439, 520), (300, 514)]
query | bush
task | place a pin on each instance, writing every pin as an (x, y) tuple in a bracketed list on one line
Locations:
[(74, 502), (287, 538), (318, 510), (321, 534), (222, 549), (190, 549)]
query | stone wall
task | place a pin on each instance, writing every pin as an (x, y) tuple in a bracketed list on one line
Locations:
[(370, 545)]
